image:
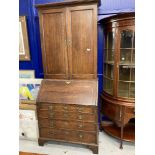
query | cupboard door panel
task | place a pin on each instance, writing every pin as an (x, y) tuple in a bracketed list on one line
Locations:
[(82, 39), (54, 43)]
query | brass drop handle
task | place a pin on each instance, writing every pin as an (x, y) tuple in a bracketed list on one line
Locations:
[(80, 117), (65, 107), (80, 126), (79, 109), (50, 107)]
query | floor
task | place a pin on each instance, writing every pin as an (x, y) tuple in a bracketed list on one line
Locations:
[(107, 146), (25, 153)]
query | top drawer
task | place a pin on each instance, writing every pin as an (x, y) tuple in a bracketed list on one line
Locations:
[(69, 108)]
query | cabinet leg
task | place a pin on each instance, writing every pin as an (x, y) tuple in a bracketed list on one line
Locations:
[(121, 143), (41, 142), (93, 148)]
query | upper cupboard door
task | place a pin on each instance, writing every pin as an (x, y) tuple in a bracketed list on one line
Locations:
[(82, 36), (53, 33)]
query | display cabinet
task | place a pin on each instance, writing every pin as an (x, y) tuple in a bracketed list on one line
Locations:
[(119, 76)]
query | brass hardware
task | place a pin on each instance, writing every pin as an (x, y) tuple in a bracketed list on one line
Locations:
[(79, 109), (52, 124), (69, 42), (80, 117), (80, 126), (81, 136), (65, 115), (67, 82), (88, 49), (65, 107), (51, 107)]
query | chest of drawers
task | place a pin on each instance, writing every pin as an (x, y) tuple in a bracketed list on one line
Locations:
[(67, 112)]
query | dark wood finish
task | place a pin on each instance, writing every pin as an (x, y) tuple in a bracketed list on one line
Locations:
[(119, 109), (67, 112), (129, 131), (69, 39)]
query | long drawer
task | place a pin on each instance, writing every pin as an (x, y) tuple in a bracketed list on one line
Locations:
[(68, 108), (67, 116), (75, 136), (72, 125)]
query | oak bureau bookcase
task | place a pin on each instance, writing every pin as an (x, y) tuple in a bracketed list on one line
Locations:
[(67, 101)]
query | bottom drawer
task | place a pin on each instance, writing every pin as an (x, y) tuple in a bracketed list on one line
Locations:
[(71, 136)]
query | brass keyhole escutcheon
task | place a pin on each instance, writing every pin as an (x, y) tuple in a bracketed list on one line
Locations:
[(81, 136)]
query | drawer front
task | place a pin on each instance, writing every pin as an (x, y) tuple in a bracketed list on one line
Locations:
[(68, 108), (73, 116), (43, 113), (66, 135), (60, 124)]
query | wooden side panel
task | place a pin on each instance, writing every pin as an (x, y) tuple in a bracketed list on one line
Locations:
[(53, 33), (82, 41)]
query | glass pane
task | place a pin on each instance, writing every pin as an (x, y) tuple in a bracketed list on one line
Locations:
[(125, 56), (106, 41), (134, 41), (133, 56), (126, 39), (108, 70), (132, 90), (123, 89), (124, 73), (105, 55), (108, 86), (111, 56), (105, 69), (132, 74), (110, 40)]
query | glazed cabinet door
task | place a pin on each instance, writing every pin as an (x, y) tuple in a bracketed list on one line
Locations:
[(53, 38), (126, 63), (82, 41)]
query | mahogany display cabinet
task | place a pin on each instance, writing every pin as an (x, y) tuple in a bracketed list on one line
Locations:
[(118, 97)]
